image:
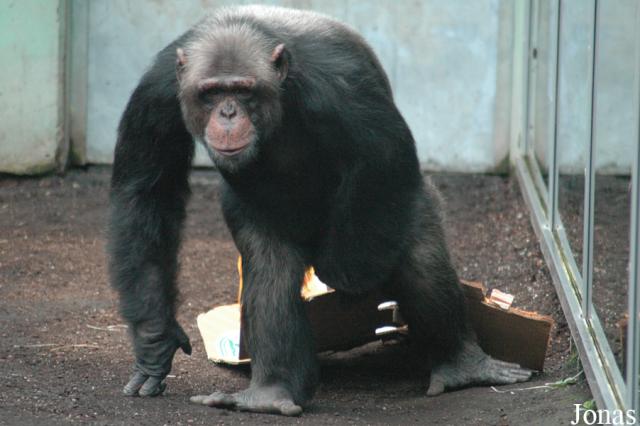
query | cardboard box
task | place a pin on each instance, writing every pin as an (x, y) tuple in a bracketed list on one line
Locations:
[(340, 323)]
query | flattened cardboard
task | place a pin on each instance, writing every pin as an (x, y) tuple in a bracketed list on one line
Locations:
[(220, 330), (340, 323), (511, 335)]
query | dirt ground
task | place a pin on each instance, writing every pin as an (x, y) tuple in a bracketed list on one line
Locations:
[(64, 358)]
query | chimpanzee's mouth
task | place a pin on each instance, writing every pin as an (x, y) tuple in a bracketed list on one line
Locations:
[(230, 152)]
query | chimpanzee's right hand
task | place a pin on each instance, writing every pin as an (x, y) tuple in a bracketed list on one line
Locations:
[(154, 346)]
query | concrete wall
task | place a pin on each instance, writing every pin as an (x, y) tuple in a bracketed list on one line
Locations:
[(32, 116), (448, 61)]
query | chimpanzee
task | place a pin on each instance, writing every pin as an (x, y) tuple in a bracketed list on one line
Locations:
[(319, 168)]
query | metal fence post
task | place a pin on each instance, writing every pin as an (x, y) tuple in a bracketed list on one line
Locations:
[(552, 206), (590, 178)]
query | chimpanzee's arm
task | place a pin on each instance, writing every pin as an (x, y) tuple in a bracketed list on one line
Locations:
[(372, 207), (149, 190)]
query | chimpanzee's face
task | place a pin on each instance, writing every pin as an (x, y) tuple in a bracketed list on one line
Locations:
[(231, 101)]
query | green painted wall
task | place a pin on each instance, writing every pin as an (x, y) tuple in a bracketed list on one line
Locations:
[(31, 85)]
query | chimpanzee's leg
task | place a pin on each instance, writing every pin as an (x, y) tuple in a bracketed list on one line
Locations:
[(432, 302), (284, 372), (149, 190)]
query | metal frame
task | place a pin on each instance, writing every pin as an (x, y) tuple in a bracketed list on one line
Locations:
[(574, 286)]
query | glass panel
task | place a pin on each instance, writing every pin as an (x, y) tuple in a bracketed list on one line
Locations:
[(615, 139), (574, 117), (632, 364), (542, 82)]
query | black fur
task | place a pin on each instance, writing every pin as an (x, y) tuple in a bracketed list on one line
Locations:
[(149, 191), (335, 185)]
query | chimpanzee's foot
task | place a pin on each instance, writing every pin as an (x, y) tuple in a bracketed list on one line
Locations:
[(474, 367), (265, 399)]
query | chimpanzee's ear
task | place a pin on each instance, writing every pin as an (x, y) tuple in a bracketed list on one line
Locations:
[(280, 60), (181, 61)]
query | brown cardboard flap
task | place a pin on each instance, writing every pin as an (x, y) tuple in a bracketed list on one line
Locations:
[(512, 335), (341, 323)]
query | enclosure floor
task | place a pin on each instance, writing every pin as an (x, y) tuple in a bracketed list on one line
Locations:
[(61, 362)]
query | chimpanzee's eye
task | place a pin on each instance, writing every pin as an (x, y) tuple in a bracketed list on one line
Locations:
[(209, 97), (206, 97), (244, 94)]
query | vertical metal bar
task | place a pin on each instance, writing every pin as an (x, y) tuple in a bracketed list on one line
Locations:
[(532, 78), (552, 206), (520, 83), (633, 330), (589, 179), (528, 65)]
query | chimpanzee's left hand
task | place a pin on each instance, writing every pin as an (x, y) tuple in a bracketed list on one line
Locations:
[(155, 346)]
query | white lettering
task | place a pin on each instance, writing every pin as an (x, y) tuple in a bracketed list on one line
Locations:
[(592, 414), (618, 417), (577, 420), (603, 417)]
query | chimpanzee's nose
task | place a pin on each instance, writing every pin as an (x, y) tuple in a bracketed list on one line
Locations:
[(228, 110)]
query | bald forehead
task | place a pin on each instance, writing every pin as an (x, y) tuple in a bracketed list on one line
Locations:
[(235, 50)]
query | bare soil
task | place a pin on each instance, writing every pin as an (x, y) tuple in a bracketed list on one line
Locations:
[(64, 359)]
